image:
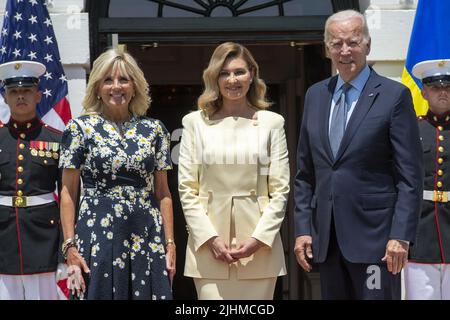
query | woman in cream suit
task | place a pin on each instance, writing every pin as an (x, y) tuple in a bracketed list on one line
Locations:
[(233, 182)]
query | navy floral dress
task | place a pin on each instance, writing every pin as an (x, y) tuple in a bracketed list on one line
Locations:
[(119, 226)]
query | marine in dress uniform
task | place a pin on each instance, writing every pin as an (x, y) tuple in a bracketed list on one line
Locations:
[(427, 275), (29, 175)]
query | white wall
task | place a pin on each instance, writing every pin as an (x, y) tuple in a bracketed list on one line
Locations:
[(71, 27), (390, 24), (390, 4), (390, 31)]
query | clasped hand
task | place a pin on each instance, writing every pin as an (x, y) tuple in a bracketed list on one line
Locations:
[(222, 251)]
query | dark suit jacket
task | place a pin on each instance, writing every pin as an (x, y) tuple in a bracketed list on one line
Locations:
[(374, 186)]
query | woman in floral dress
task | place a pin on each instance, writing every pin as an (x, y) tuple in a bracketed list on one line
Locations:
[(121, 238)]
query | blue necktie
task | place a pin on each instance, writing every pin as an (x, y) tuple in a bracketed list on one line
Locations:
[(338, 120)]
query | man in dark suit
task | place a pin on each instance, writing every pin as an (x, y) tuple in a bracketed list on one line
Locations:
[(358, 186)]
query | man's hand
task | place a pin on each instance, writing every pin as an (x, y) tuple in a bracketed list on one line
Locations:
[(303, 250), (396, 255)]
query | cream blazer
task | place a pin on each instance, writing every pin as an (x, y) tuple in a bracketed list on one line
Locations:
[(233, 179)]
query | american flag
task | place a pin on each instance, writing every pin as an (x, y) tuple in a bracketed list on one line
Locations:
[(27, 34)]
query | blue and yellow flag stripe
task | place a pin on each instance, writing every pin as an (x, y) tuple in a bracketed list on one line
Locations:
[(420, 104), (430, 39)]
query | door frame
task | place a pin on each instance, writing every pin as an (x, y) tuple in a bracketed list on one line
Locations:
[(186, 30)]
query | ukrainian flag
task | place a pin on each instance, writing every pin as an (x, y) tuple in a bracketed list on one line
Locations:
[(430, 39)]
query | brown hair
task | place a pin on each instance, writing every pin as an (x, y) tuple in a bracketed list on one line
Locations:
[(210, 100)]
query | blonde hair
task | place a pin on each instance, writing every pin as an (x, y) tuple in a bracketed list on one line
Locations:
[(346, 15), (210, 100), (111, 60)]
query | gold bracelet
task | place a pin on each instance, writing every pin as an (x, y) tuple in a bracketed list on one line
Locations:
[(65, 243), (170, 242), (70, 242)]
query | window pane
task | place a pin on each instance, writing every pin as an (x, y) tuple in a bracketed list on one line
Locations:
[(308, 8), (221, 11), (171, 12), (189, 3), (266, 12), (225, 8), (132, 8)]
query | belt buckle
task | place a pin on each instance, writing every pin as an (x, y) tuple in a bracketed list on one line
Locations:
[(19, 201), (440, 196)]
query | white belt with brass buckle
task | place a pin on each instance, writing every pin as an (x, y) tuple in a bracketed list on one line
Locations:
[(23, 201), (435, 195)]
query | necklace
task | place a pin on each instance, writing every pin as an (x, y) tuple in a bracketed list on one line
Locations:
[(119, 126)]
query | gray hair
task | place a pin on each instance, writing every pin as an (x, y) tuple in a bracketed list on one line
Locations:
[(346, 15)]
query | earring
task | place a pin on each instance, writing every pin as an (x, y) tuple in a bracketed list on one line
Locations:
[(98, 98), (251, 80)]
